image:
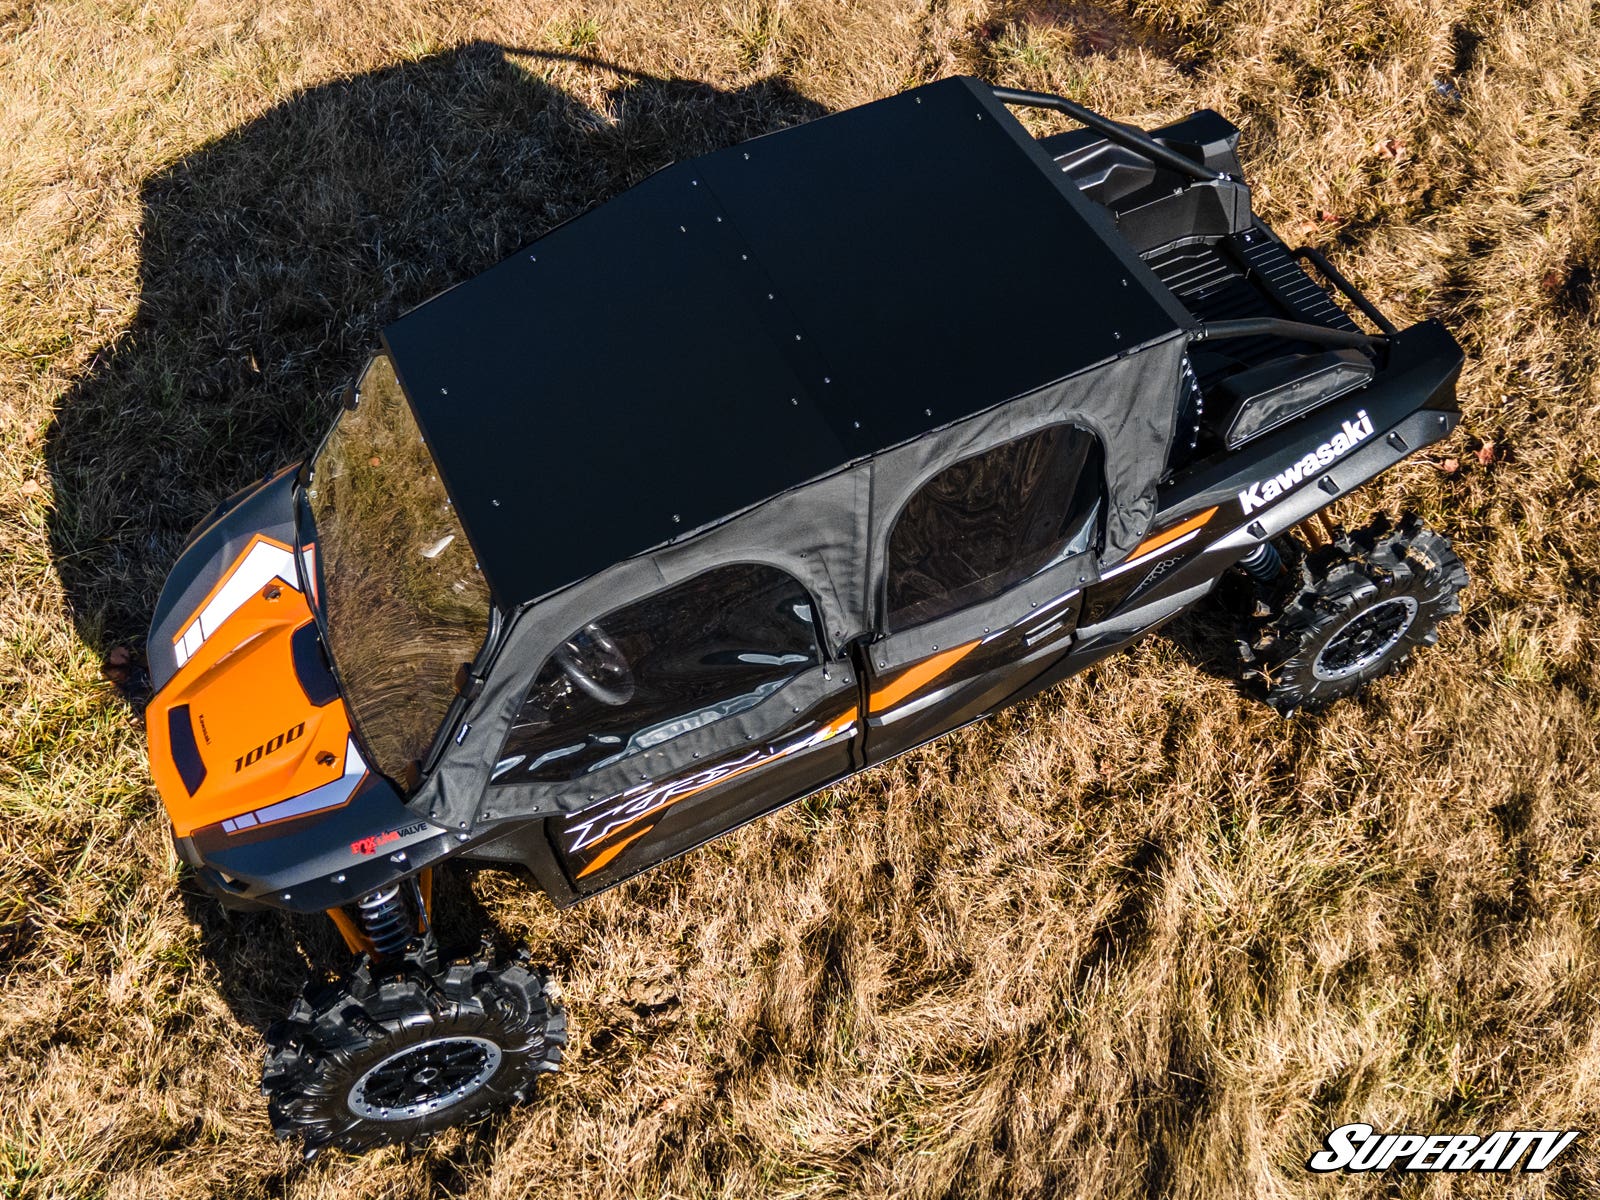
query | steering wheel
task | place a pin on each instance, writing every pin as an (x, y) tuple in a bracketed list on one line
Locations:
[(593, 662)]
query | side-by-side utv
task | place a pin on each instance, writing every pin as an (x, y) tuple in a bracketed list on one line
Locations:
[(775, 466)]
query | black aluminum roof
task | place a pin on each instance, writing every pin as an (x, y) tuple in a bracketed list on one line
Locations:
[(742, 322)]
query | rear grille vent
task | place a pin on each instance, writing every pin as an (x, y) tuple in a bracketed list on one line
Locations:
[(1246, 275)]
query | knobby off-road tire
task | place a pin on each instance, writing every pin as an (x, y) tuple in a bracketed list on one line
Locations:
[(393, 1056), (1353, 611)]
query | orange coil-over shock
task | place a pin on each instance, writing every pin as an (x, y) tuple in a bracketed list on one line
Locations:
[(384, 924), (1316, 530)]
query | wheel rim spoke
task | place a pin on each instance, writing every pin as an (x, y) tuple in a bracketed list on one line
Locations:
[(429, 1077), (1364, 640)]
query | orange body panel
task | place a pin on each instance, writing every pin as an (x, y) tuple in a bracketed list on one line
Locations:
[(914, 678), (260, 738), (1157, 540)]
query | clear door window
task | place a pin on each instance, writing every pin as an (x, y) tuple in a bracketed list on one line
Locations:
[(992, 520), (634, 678)]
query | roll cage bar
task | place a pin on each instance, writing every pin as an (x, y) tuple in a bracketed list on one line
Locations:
[(1142, 143), (1136, 140)]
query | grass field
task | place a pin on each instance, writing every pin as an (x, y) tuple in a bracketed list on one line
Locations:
[(1139, 936)]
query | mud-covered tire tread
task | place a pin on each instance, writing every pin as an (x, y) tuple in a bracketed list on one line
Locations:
[(335, 1032), (1328, 587)]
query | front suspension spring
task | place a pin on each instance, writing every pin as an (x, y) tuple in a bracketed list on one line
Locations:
[(1264, 562), (386, 920)]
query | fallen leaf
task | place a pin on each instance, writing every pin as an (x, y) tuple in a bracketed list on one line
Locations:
[(1450, 466), (119, 656), (375, 461), (1486, 454), (31, 488), (1391, 148)]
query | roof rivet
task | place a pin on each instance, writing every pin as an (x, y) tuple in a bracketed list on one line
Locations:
[(927, 412), (1124, 283), (936, 645), (444, 391), (744, 258), (496, 503), (826, 379), (856, 424), (286, 895), (719, 220), (769, 295), (694, 183), (676, 518), (792, 400), (339, 878), (681, 229), (881, 663), (747, 157), (797, 337), (461, 837), (463, 824), (533, 258)]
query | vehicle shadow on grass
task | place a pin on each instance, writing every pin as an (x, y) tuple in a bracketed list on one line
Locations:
[(270, 259)]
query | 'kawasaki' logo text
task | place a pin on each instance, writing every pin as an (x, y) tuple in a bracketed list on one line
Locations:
[(1267, 490), (1359, 1148)]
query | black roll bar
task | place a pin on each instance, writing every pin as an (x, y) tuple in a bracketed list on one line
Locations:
[(1299, 331), (1136, 140)]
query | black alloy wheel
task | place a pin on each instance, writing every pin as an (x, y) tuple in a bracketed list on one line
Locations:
[(393, 1055), (1351, 612)]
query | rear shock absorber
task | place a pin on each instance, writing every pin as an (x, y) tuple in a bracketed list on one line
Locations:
[(386, 920), (1263, 563)]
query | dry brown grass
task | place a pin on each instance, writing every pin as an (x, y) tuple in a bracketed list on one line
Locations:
[(1139, 936)]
